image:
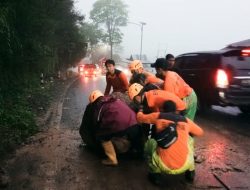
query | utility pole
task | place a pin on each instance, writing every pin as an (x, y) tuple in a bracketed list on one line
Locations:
[(141, 24)]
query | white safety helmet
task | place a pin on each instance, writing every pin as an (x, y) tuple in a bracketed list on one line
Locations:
[(134, 90), (94, 95), (135, 65)]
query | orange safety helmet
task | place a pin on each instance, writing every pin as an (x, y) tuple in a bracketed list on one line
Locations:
[(134, 90), (135, 65), (94, 95)]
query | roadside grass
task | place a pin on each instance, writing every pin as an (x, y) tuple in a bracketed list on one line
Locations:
[(19, 106)]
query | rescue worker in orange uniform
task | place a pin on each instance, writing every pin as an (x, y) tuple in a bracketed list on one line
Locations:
[(175, 84), (178, 156), (115, 78), (140, 78), (153, 100), (136, 67)]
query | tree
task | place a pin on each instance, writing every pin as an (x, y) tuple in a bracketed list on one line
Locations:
[(112, 14), (35, 36), (91, 33)]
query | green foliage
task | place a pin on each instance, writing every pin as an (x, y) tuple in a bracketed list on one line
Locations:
[(35, 36), (16, 121), (92, 33), (18, 109), (112, 14), (17, 124), (39, 36)]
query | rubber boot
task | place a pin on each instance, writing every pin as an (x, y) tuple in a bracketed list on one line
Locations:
[(110, 152)]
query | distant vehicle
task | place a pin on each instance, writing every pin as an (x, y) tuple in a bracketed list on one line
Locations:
[(81, 69), (91, 70), (218, 77)]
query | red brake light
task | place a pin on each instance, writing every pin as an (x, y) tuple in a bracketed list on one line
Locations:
[(245, 52), (221, 79)]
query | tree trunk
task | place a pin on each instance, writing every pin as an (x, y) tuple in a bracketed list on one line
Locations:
[(111, 50)]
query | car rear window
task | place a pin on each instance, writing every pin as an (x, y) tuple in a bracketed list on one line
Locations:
[(232, 53), (236, 59), (194, 62), (238, 53)]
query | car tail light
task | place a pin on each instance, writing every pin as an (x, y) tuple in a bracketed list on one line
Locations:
[(245, 52), (221, 80), (81, 69)]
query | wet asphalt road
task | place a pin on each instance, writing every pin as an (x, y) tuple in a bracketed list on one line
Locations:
[(222, 154)]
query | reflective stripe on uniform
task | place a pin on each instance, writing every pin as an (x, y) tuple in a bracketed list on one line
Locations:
[(157, 166), (191, 104)]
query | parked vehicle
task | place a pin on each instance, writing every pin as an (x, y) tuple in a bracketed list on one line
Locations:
[(219, 77)]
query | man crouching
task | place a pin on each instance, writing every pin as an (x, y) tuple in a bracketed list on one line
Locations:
[(109, 122)]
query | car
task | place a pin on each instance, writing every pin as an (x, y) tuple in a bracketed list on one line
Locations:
[(220, 77), (81, 69), (91, 70)]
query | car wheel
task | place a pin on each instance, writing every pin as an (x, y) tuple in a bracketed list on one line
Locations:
[(245, 109)]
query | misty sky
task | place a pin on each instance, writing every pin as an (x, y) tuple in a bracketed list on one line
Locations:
[(181, 26)]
